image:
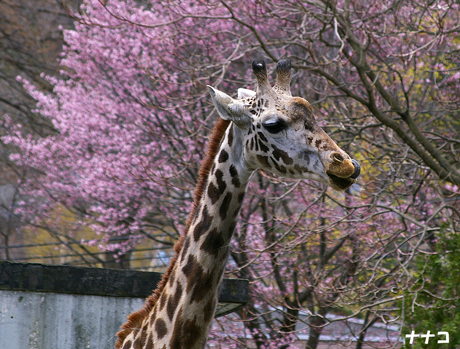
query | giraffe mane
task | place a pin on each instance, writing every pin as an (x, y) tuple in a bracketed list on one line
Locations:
[(135, 320)]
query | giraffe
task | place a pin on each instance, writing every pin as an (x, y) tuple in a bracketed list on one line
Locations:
[(268, 129)]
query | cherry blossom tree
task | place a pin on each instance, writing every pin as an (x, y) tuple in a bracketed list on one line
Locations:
[(131, 117)]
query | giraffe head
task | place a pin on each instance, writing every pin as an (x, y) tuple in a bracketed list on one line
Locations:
[(278, 132)]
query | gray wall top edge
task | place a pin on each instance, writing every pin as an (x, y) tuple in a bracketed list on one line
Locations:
[(34, 277)]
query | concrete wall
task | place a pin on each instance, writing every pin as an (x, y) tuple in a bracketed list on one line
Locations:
[(41, 320), (62, 307)]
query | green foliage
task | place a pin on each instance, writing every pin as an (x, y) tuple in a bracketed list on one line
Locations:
[(434, 302)]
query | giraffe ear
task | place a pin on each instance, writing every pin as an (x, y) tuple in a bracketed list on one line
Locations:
[(229, 108)]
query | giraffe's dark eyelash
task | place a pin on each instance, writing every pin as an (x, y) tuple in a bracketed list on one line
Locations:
[(275, 126)]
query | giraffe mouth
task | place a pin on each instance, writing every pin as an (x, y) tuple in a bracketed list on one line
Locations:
[(340, 183)]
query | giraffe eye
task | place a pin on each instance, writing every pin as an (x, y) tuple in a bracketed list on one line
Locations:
[(275, 126)]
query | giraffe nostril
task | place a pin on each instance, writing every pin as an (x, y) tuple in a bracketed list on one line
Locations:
[(357, 169), (337, 157)]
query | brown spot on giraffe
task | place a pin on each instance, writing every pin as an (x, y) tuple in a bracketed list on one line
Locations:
[(149, 344), (203, 225), (221, 185), (173, 301), (263, 160), (198, 281), (162, 301), (185, 333), (262, 146), (231, 227), (301, 169), (213, 242), (280, 168), (223, 156), (262, 137), (281, 154), (225, 206), (152, 317), (185, 247), (136, 343), (234, 174), (213, 193), (241, 197), (160, 328), (171, 280), (191, 268), (230, 136)]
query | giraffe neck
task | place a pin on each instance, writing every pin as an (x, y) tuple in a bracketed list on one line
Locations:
[(186, 308), (192, 293), (183, 313)]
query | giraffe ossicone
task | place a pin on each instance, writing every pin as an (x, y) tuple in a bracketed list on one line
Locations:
[(267, 129)]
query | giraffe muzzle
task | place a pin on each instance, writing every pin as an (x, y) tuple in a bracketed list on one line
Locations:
[(343, 168), (343, 175)]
